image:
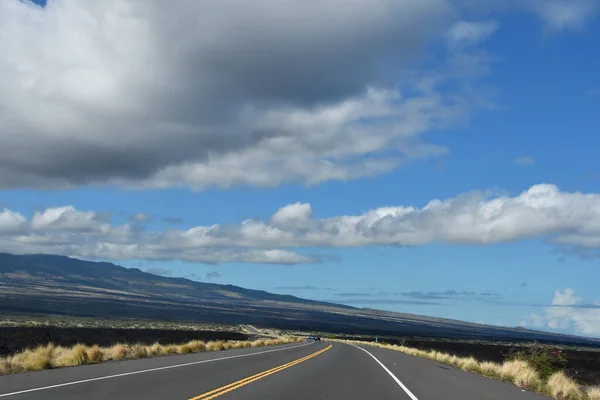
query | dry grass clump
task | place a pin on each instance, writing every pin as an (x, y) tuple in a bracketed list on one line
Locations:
[(137, 351), (154, 349), (528, 378), (490, 369), (469, 364), (197, 346), (560, 386), (117, 352), (95, 354), (215, 346), (36, 359), (51, 356), (510, 369), (169, 349), (592, 393), (518, 372)]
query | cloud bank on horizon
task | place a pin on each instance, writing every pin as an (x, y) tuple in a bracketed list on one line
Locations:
[(543, 211)]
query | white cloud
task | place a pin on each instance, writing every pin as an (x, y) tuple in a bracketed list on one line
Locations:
[(472, 218), (65, 218), (564, 14), (466, 33), (224, 93), (568, 314), (566, 298), (11, 222)]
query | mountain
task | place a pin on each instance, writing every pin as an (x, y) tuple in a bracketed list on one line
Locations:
[(48, 284)]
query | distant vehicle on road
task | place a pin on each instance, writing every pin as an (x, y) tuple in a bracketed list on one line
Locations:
[(314, 338)]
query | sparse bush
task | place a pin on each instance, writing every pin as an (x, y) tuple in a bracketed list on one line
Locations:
[(560, 386)]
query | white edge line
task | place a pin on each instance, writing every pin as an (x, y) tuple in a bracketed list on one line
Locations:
[(100, 378), (408, 392)]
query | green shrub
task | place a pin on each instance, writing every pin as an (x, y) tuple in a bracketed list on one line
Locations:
[(544, 360)]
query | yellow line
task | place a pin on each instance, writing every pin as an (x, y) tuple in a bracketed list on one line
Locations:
[(243, 382)]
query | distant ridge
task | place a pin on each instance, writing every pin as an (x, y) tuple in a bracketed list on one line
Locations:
[(50, 284)]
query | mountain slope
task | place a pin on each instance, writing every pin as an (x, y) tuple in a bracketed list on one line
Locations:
[(46, 284)]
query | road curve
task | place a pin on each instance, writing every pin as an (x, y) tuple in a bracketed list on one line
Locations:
[(252, 330), (318, 370)]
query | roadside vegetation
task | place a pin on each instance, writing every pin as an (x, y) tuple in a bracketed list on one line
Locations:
[(60, 321), (51, 356), (538, 369)]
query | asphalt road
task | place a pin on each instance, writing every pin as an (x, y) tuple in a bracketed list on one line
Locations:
[(301, 371), (252, 330)]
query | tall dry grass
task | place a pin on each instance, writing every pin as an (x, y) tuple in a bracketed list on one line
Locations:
[(560, 386), (51, 356), (593, 393), (518, 372)]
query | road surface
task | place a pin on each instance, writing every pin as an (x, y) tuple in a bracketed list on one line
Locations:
[(307, 370), (252, 330)]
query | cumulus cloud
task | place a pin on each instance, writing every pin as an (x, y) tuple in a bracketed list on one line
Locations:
[(568, 314), (566, 219), (147, 95)]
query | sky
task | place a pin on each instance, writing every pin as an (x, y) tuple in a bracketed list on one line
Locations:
[(433, 157)]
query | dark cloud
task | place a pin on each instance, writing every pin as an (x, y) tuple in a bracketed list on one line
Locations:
[(391, 302), (307, 287), (212, 275), (163, 112), (453, 294), (355, 294), (159, 271)]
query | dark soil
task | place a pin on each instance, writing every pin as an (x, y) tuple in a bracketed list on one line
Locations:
[(14, 339)]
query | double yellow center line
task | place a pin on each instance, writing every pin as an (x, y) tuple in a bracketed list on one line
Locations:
[(243, 382)]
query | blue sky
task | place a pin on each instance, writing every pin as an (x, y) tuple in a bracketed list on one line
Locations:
[(119, 148)]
